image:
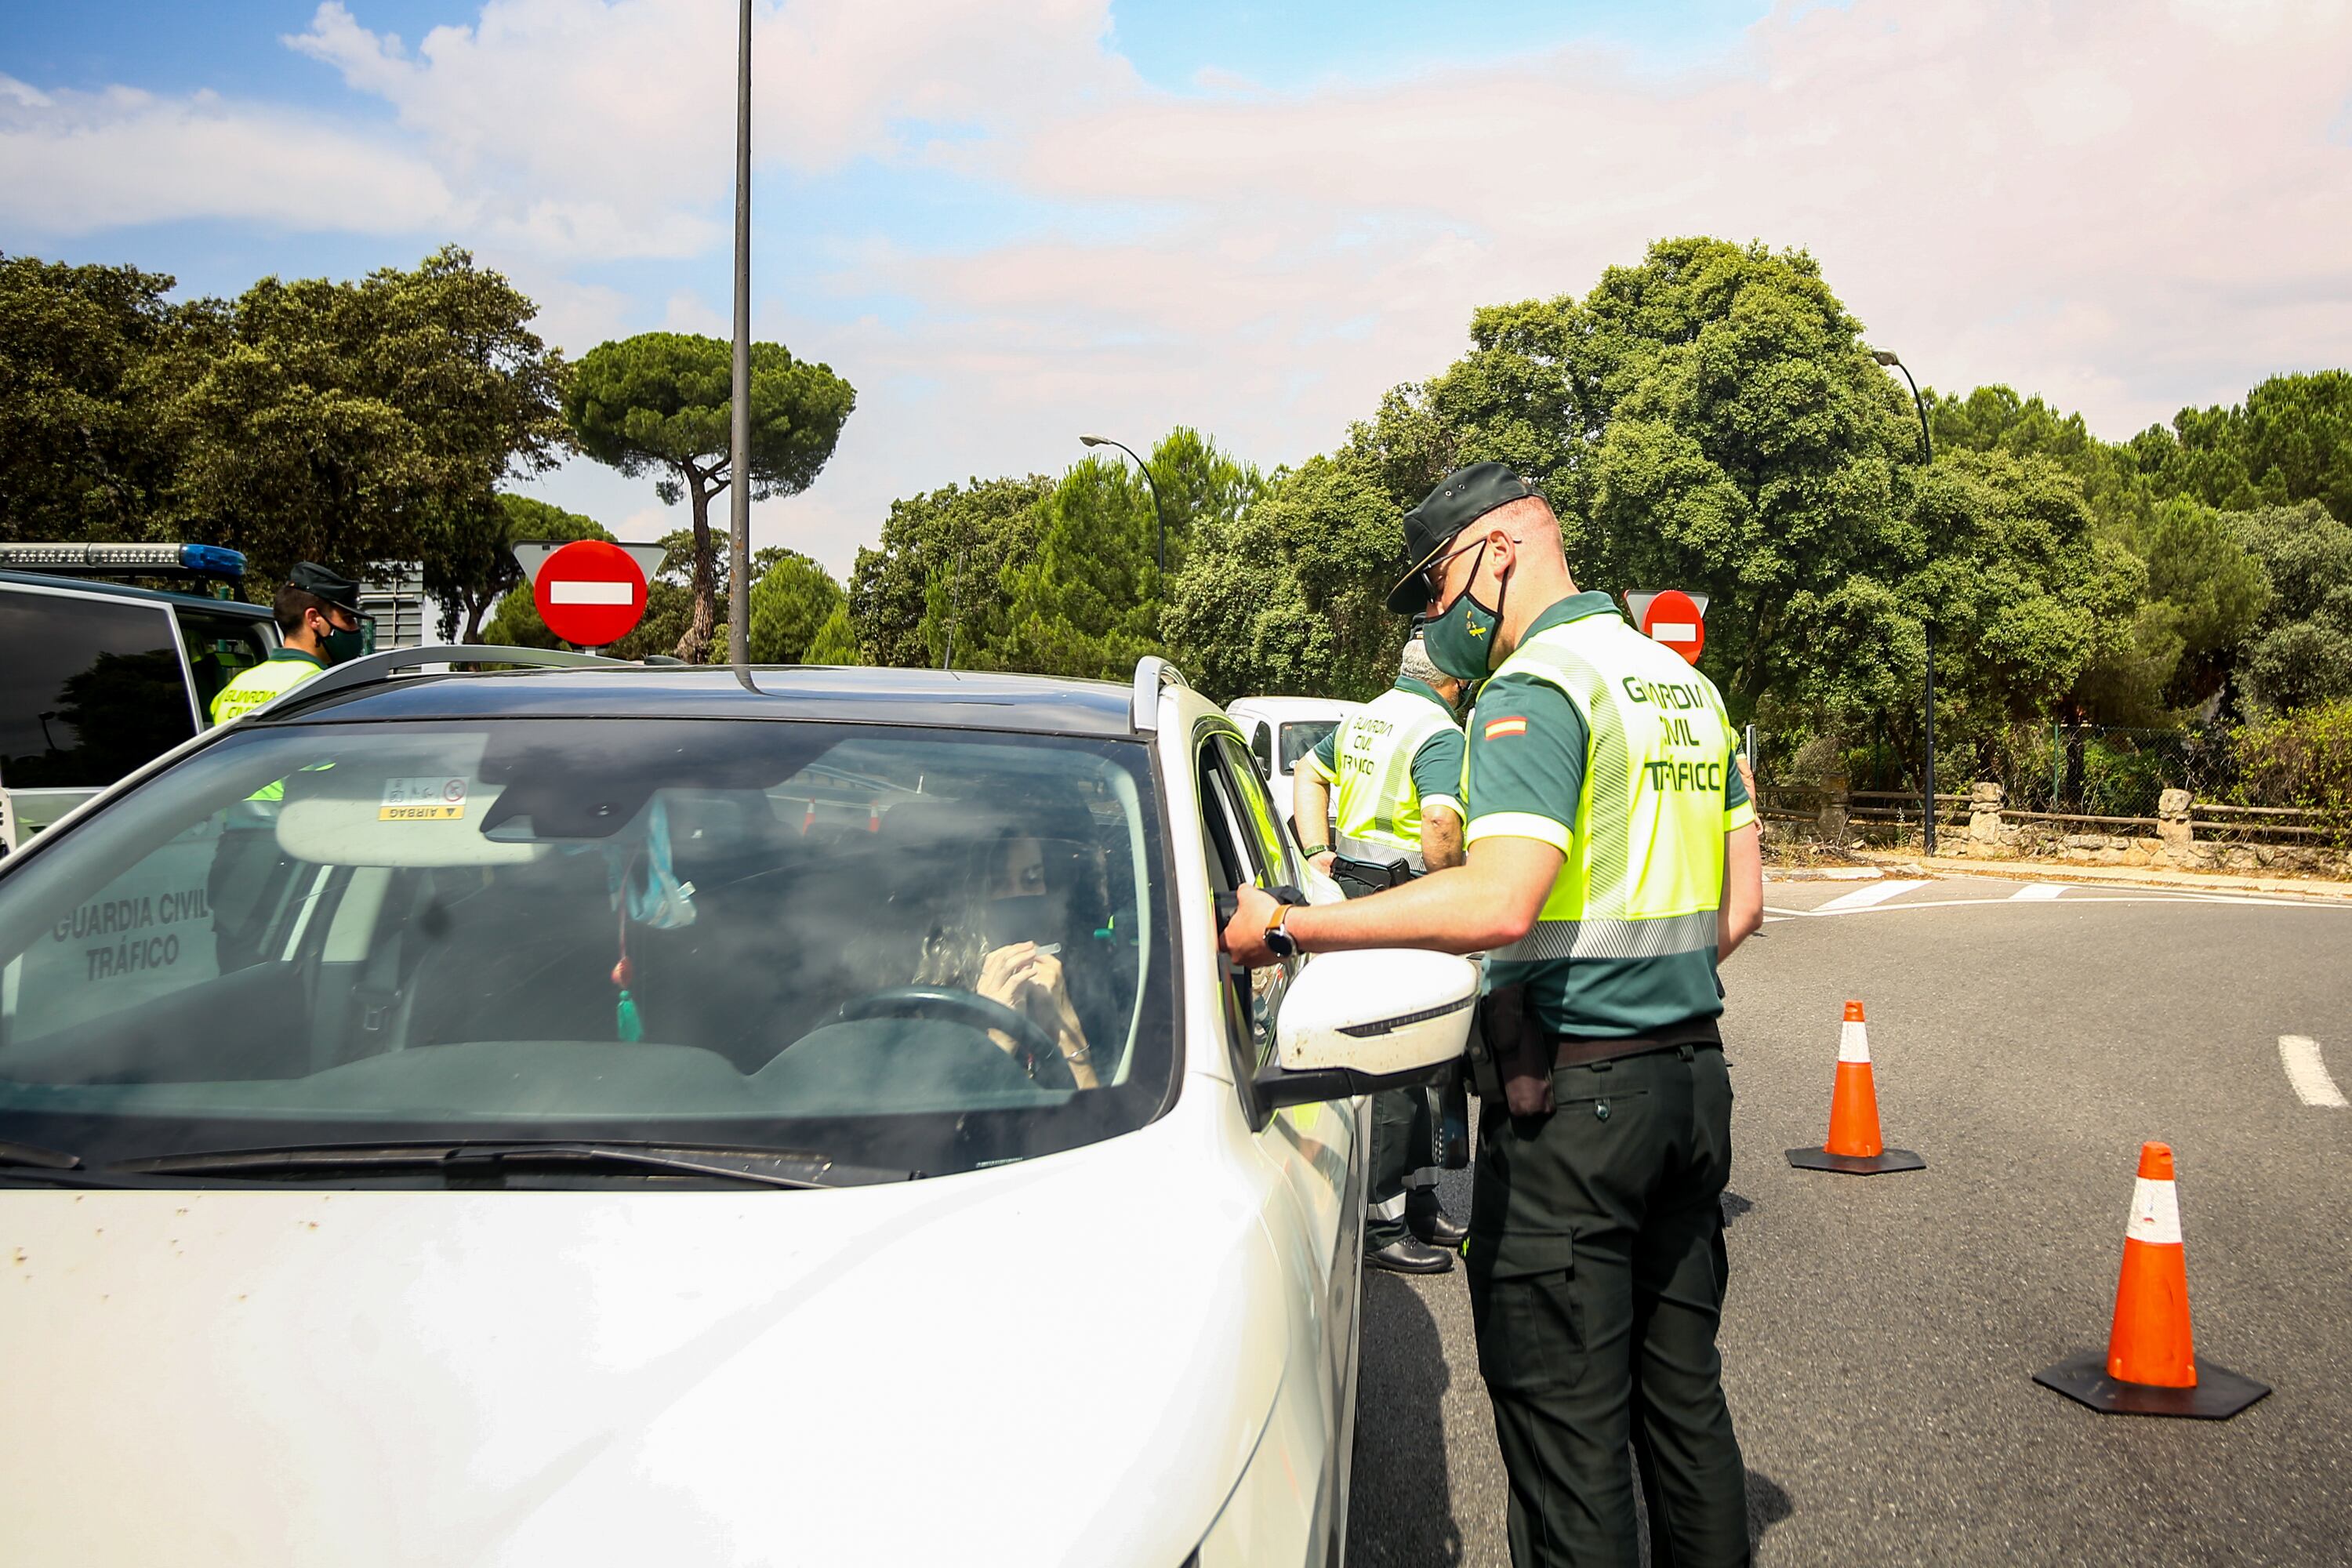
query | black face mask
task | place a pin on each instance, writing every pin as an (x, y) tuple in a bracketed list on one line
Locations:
[(1030, 917)]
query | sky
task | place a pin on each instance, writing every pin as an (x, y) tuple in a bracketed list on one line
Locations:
[(1008, 224)]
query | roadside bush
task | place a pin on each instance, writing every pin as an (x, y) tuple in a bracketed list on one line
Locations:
[(2300, 758)]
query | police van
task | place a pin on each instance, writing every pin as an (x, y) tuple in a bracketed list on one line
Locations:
[(96, 676)]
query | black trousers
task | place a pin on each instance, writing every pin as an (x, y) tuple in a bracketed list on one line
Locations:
[(1404, 1137), (1597, 1272)]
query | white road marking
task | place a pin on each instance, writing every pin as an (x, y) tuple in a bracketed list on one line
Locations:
[(2308, 1073), (1862, 897), (2033, 892)]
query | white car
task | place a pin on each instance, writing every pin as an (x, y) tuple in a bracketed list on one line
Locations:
[(525, 1119), (1283, 730)]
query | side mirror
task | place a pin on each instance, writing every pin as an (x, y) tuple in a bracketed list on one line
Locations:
[(1356, 1022)]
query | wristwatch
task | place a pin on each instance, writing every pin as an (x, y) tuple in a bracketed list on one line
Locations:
[(1312, 850), (1278, 940)]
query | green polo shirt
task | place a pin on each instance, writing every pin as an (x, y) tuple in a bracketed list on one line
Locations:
[(1530, 749)]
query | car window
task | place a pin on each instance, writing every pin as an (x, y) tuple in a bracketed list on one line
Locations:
[(89, 688), (1232, 808), (928, 948), (1303, 737), (1262, 745), (220, 648)]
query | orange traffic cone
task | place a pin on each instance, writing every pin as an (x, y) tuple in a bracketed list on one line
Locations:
[(1855, 1147), (872, 817), (808, 818), (2151, 1367)]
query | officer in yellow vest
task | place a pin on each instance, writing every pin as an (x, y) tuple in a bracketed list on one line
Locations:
[(1398, 765), (317, 615), (1612, 863)]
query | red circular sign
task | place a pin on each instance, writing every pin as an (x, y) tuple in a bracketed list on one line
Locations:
[(1673, 618), (590, 593)]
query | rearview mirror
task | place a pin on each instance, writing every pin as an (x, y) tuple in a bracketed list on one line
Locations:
[(1356, 1022)]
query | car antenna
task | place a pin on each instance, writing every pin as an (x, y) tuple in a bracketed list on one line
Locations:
[(739, 483)]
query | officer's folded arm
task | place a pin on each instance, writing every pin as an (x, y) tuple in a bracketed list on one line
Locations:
[(1490, 900)]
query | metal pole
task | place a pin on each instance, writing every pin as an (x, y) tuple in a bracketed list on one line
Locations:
[(1931, 738), (1926, 458), (739, 483)]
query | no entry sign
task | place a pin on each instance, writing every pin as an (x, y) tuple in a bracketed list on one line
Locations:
[(590, 593), (1675, 619)]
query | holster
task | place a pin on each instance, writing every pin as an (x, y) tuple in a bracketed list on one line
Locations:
[(1357, 878), (1519, 1053), (1449, 1121)]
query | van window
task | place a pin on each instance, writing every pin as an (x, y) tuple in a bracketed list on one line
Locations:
[(220, 648), (89, 688)]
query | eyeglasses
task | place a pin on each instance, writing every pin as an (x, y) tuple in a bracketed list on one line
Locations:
[(1433, 576)]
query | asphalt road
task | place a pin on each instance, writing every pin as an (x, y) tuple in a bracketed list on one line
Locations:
[(1882, 1333)]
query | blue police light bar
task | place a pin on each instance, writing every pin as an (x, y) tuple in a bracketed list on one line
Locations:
[(124, 559), (213, 560)]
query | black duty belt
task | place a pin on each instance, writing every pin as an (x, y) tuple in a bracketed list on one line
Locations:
[(1583, 1050)]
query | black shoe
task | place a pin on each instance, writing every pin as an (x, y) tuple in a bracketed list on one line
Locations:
[(1437, 1228), (1407, 1255)]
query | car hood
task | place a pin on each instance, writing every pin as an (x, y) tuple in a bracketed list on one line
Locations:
[(1042, 1364)]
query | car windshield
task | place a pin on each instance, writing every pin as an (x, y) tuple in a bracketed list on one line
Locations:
[(910, 948), (1303, 737)]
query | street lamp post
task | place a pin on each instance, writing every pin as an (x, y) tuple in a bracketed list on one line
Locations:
[(1159, 513), (1927, 457), (738, 443)]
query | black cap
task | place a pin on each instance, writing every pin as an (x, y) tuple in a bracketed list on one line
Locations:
[(321, 583), (1461, 499)]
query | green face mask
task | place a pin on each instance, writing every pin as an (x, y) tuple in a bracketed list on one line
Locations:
[(342, 646), (1461, 642)]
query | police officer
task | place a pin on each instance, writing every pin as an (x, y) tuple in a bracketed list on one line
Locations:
[(317, 615), (1398, 765), (1611, 862)]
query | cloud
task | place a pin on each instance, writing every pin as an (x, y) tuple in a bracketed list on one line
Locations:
[(74, 163)]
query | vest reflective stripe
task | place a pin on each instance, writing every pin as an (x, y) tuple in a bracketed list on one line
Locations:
[(271, 678), (1644, 872), (1602, 938), (1379, 814), (1380, 851)]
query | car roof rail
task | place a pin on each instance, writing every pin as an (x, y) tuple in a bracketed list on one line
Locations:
[(369, 669), (1151, 673)]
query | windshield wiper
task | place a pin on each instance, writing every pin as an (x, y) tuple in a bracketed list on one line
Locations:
[(764, 1168), (33, 1156)]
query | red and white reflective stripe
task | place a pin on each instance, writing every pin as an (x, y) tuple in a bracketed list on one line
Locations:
[(1853, 1041), (2155, 1214)]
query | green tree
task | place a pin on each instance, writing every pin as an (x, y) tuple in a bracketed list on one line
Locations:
[(359, 423), (2300, 652), (791, 603), (1285, 597), (660, 402), (2290, 441), (82, 452), (835, 642), (1090, 603), (938, 562)]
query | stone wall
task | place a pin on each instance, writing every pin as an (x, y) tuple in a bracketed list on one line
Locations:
[(2169, 841)]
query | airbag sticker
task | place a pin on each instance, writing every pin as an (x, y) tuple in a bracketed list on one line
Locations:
[(423, 800)]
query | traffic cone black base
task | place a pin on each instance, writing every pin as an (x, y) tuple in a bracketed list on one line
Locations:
[(2218, 1395), (1856, 1164)]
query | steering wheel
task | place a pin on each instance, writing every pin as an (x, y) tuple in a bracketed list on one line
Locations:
[(1039, 1053)]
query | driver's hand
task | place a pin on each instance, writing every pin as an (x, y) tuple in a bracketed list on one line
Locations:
[(1244, 938), (1000, 973)]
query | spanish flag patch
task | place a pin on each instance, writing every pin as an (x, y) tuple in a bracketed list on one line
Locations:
[(1498, 727)]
